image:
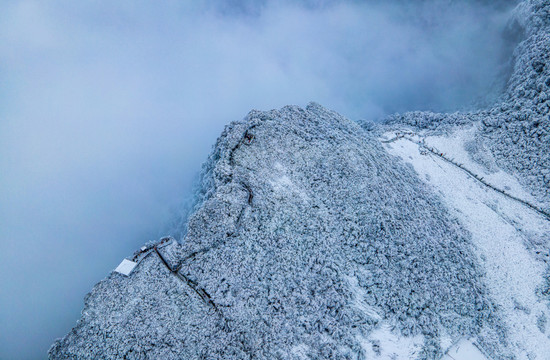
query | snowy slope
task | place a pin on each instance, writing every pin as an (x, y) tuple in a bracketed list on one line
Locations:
[(511, 239), (515, 132), (307, 238), (492, 169)]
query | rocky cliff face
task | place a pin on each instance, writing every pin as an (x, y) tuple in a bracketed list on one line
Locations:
[(314, 238)]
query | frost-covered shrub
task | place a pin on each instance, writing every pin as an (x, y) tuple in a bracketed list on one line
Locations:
[(322, 202), (542, 320), (516, 130), (427, 120), (519, 129), (301, 217), (479, 153)]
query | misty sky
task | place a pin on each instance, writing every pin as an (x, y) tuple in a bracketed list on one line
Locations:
[(108, 109)]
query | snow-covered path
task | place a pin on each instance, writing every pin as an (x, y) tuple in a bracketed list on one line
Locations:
[(510, 238)]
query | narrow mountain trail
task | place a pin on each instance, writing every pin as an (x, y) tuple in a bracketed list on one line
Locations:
[(193, 285), (436, 152), (175, 270), (509, 231)]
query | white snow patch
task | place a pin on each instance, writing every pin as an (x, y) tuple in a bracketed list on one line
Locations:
[(283, 185), (126, 267), (301, 351), (359, 302), (446, 341), (384, 344), (282, 182), (464, 350), (499, 227), (453, 146)]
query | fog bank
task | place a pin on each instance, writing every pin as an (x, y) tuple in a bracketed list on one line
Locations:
[(108, 109)]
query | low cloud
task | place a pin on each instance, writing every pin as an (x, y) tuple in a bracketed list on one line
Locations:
[(108, 109)]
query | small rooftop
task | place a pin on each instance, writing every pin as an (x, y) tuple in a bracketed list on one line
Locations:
[(126, 267)]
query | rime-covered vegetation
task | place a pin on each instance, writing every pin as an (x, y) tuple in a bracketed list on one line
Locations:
[(516, 129), (302, 216), (306, 235)]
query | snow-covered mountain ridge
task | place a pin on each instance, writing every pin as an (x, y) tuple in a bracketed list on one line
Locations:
[(316, 238)]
